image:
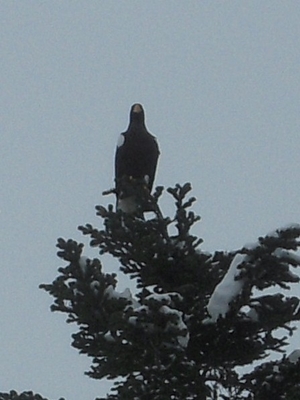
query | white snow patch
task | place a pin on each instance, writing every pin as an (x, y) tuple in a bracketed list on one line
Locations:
[(126, 294), (139, 378), (127, 205), (284, 228), (142, 309), (77, 292), (168, 310), (282, 253), (276, 369), (113, 294), (166, 297), (121, 140), (95, 286), (183, 337), (273, 234), (251, 246), (226, 290), (109, 338), (253, 315), (294, 357), (132, 320), (83, 260), (292, 225)]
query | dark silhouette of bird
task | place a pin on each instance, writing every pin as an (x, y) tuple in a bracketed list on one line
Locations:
[(135, 160)]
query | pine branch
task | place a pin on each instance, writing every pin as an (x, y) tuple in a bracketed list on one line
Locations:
[(163, 341)]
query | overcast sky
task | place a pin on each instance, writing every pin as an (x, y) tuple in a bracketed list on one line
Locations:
[(220, 84)]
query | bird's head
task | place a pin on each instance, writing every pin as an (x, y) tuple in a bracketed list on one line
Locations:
[(137, 108), (137, 113)]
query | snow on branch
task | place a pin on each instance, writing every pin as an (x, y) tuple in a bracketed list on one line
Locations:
[(285, 255), (271, 256), (229, 287), (294, 357), (111, 293), (177, 325)]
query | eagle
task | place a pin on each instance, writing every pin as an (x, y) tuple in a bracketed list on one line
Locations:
[(135, 159)]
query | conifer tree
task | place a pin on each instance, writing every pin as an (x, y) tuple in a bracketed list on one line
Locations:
[(194, 320)]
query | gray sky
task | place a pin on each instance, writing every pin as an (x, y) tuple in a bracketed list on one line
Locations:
[(220, 83)]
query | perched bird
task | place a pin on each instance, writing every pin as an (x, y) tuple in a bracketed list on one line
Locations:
[(136, 159)]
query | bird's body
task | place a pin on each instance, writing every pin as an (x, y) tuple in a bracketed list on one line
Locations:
[(136, 157)]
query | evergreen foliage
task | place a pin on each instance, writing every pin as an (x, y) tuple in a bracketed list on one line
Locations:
[(13, 395), (162, 343)]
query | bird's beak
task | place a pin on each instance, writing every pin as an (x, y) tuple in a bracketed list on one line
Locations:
[(137, 108)]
